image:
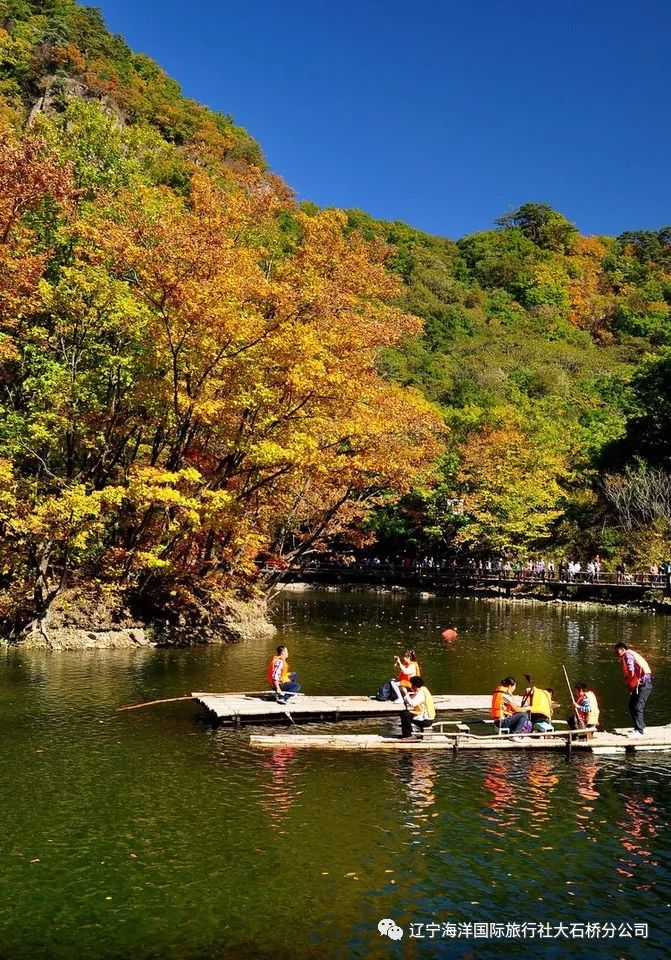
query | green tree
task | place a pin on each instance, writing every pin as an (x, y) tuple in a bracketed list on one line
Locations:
[(542, 225)]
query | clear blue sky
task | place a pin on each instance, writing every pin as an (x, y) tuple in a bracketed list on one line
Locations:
[(444, 114)]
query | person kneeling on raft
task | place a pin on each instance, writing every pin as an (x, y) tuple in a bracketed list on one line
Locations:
[(507, 716), (586, 708), (281, 680), (420, 710)]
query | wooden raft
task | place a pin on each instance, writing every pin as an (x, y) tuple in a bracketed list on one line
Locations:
[(601, 742), (262, 707)]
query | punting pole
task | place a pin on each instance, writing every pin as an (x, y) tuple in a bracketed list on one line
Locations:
[(575, 705), (232, 693), (151, 703)]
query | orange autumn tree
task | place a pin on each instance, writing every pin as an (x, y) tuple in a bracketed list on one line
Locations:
[(591, 299), (192, 389), (270, 417), (30, 179)]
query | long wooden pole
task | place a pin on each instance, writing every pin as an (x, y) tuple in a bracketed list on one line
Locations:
[(151, 703), (232, 693), (575, 705)]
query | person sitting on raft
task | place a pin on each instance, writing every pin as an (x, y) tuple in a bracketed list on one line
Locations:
[(507, 716), (420, 709), (408, 668), (586, 708), (279, 677), (539, 702)]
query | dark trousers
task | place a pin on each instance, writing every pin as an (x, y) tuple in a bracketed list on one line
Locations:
[(407, 721), (291, 685), (637, 701), (512, 723)]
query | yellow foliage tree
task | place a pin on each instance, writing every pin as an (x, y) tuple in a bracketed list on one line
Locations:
[(511, 489)]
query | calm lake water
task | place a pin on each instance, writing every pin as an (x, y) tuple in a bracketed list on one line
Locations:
[(154, 834)]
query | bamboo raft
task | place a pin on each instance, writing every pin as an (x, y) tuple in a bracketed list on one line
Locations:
[(261, 707), (598, 742)]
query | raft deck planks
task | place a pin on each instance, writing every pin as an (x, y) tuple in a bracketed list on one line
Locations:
[(258, 708), (602, 742)]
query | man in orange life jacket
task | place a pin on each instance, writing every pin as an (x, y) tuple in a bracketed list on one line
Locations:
[(279, 678), (638, 677)]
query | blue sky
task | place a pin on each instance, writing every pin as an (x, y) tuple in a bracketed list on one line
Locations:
[(439, 113)]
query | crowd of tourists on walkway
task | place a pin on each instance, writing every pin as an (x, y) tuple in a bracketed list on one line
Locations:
[(539, 569)]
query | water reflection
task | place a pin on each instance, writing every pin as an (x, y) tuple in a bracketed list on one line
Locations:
[(498, 784), (418, 772), (541, 782), (520, 795), (640, 825), (281, 787)]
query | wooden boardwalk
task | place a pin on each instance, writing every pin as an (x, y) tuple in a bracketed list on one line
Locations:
[(262, 708), (609, 587), (601, 742)]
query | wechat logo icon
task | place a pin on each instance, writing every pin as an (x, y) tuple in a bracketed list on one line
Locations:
[(390, 929)]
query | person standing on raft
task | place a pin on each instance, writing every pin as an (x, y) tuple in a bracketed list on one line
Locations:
[(420, 709), (279, 677), (638, 677)]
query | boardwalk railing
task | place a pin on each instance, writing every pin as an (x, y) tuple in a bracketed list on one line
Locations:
[(437, 575)]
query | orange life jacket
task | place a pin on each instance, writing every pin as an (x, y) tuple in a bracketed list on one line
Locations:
[(641, 669), (271, 670), (405, 673), (501, 704)]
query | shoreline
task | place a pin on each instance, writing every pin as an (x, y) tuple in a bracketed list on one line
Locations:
[(535, 596), (88, 621)]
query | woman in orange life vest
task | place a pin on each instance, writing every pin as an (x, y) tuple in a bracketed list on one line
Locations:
[(279, 677), (638, 677), (408, 668), (507, 716), (587, 708), (420, 709)]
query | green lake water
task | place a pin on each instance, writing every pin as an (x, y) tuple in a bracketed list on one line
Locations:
[(155, 834)]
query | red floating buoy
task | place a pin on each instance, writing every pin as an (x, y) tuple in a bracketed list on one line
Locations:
[(449, 635)]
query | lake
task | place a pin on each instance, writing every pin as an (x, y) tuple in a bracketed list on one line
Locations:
[(154, 834)]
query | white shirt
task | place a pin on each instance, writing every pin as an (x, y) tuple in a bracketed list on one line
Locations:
[(417, 699)]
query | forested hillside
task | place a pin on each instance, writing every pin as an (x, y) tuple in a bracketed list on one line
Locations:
[(548, 354), (187, 363), (197, 374)]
